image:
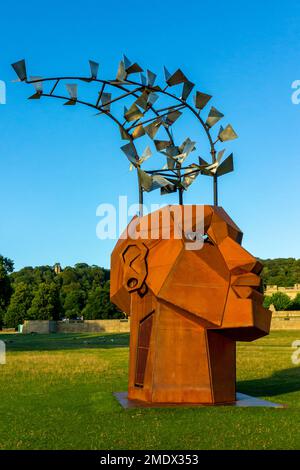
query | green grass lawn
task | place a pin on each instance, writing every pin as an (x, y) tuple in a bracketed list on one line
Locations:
[(56, 393)]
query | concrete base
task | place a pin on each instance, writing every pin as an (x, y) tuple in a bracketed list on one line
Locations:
[(242, 400)]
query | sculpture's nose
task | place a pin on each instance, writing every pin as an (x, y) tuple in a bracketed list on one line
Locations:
[(247, 266), (257, 268)]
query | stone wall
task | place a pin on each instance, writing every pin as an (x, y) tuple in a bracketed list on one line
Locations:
[(87, 326), (39, 326), (290, 291), (288, 320), (94, 326), (280, 320)]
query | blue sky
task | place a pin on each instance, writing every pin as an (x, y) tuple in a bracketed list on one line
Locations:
[(55, 160)]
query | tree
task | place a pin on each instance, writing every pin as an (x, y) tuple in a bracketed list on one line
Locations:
[(20, 303), (73, 286), (45, 304), (73, 303), (34, 276), (109, 310), (280, 301), (6, 267), (92, 310), (2, 314), (267, 301), (283, 272), (295, 303), (99, 306)]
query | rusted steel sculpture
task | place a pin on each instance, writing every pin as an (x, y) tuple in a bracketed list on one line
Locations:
[(187, 307)]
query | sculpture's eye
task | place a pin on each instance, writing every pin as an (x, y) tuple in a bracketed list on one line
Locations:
[(193, 236), (206, 239)]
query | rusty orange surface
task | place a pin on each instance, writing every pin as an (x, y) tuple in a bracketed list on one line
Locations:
[(188, 304)]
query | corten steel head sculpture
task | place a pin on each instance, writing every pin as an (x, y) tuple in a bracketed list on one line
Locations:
[(188, 307)]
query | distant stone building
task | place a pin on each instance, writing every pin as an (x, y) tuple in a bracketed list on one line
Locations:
[(57, 268), (290, 291)]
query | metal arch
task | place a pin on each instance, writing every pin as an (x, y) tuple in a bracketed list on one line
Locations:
[(176, 155)]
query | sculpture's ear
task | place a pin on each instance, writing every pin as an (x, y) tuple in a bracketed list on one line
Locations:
[(135, 268)]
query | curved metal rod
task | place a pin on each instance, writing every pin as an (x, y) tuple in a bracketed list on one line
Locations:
[(103, 82), (104, 111), (139, 87), (107, 113)]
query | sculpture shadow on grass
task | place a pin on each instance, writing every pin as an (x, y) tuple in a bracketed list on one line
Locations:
[(280, 383)]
